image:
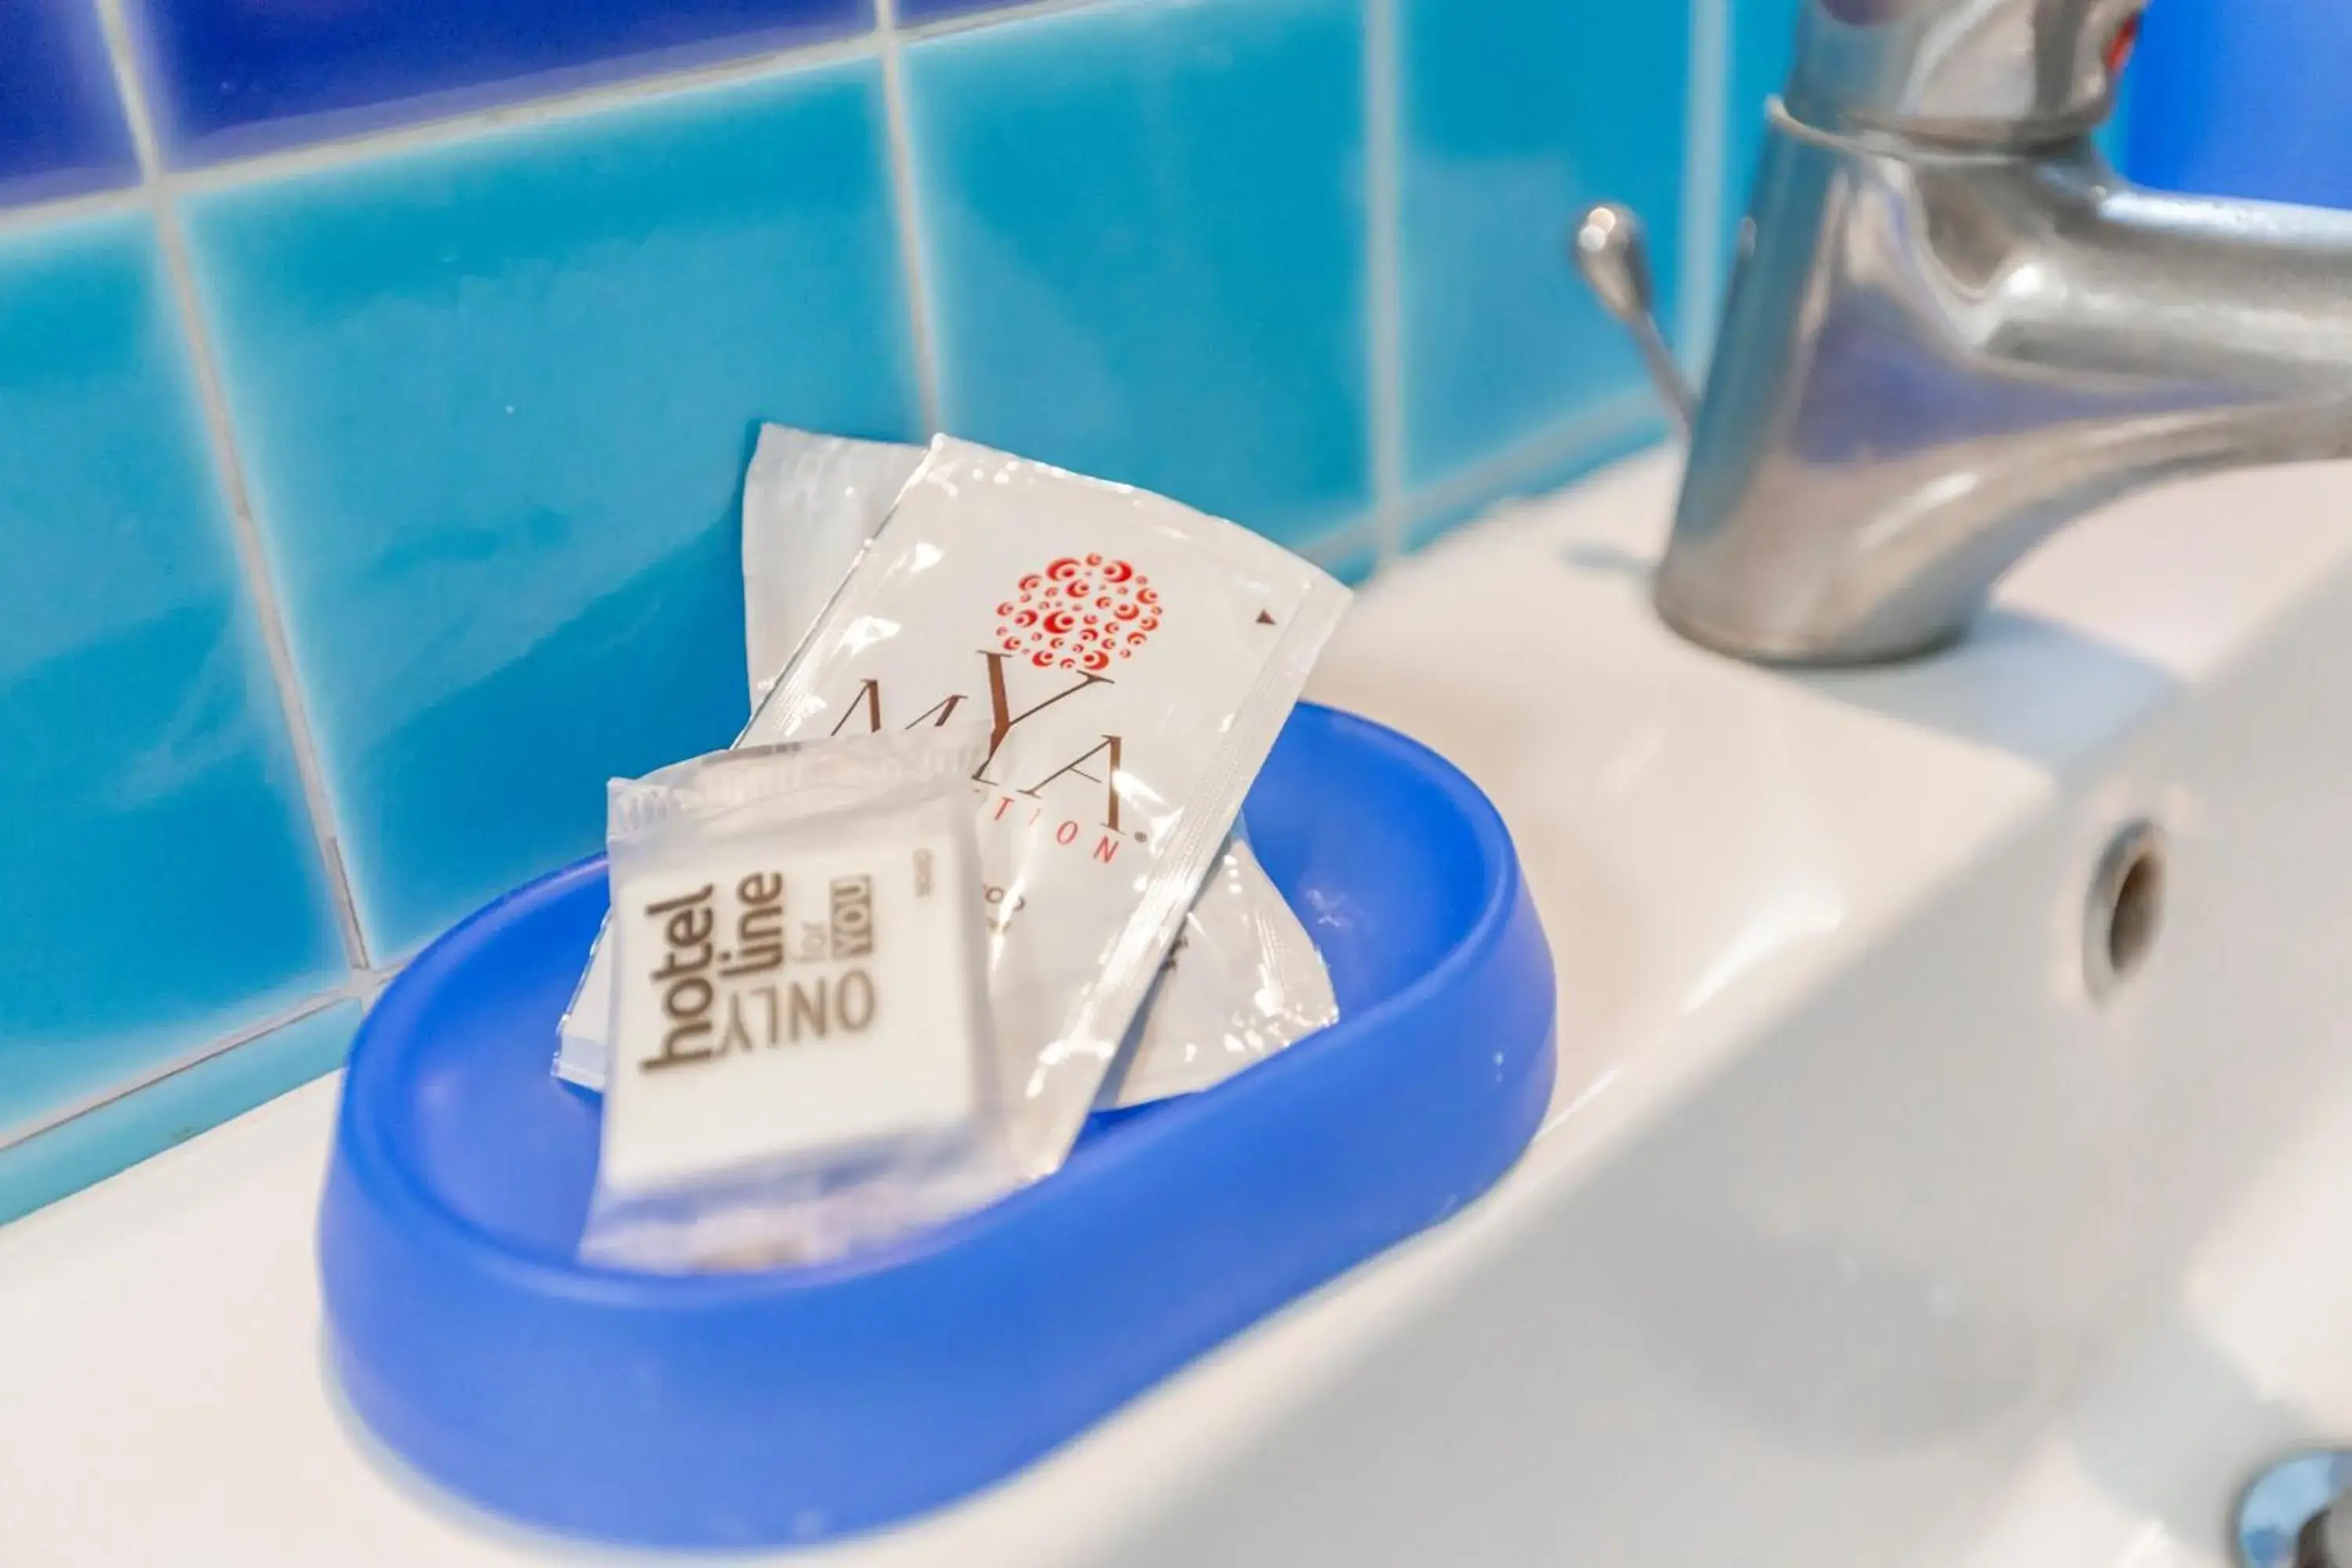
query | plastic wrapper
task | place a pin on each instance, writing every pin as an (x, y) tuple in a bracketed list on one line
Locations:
[(810, 503), (804, 1058), (1133, 660), (1244, 980)]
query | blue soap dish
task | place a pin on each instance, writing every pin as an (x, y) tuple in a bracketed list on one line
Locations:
[(804, 1403)]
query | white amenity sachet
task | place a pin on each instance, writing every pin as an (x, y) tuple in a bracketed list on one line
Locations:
[(805, 1057), (1133, 660), (1244, 980)]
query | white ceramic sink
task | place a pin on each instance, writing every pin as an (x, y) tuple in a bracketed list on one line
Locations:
[(1900, 1249), (1860, 1234)]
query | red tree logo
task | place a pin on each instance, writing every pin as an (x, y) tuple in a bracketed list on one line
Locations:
[(1079, 614)]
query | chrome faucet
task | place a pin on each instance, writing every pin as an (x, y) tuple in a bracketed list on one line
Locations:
[(1953, 327)]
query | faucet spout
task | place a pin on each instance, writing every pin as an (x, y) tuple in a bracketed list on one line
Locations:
[(2216, 294), (1934, 355)]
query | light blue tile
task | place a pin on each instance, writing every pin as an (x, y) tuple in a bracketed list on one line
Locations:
[(496, 399), (1626, 424), (158, 882), (122, 1133), (1146, 230), (1763, 44), (1517, 114), (1353, 565)]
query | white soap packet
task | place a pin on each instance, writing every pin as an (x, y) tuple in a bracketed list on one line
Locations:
[(1245, 979), (804, 1055), (1133, 660)]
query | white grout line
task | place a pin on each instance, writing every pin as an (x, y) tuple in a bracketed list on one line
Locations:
[(1347, 544), (1383, 252), (1706, 152), (71, 209), (363, 987), (1591, 430), (252, 558), (310, 1006), (989, 16), (914, 273), (368, 984)]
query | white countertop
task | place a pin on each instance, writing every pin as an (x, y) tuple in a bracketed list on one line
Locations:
[(1705, 841)]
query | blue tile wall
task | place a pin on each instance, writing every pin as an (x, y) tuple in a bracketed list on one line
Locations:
[(369, 480), (1147, 229), (495, 400), (1508, 133), (161, 880), (2245, 98), (1627, 423), (61, 126), (1762, 41)]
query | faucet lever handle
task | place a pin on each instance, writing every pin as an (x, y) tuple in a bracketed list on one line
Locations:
[(1609, 251)]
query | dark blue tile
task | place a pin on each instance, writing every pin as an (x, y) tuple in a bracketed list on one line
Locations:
[(242, 75), (2115, 137), (61, 128), (2245, 98), (1146, 228)]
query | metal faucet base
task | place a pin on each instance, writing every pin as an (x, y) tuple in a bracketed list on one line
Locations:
[(1954, 328), (1799, 654)]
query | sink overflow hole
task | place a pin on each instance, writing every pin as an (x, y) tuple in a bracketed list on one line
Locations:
[(2126, 910)]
